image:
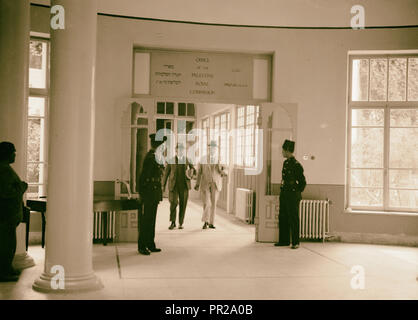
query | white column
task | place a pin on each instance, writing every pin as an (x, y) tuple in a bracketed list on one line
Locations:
[(69, 216), (14, 59)]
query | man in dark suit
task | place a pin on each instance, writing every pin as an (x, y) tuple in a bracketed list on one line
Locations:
[(178, 172), (11, 197), (150, 191), (293, 184)]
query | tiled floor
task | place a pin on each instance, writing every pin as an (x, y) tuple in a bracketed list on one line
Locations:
[(227, 263)]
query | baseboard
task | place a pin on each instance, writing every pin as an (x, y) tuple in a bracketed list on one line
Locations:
[(373, 238)]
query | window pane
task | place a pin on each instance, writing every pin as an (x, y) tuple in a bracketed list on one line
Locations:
[(366, 197), (360, 80), (34, 140), (240, 111), (397, 79), (378, 79), (142, 121), (37, 64), (403, 199), (182, 109), (250, 109), (181, 126), (169, 108), (413, 79), (240, 122), (404, 118), (161, 107), (217, 122), (32, 191), (367, 117), (367, 178), (367, 147), (190, 110), (403, 148), (403, 179), (189, 126), (36, 107), (35, 173)]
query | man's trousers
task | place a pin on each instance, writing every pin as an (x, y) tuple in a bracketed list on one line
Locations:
[(289, 217), (146, 224), (210, 198), (179, 195), (7, 247)]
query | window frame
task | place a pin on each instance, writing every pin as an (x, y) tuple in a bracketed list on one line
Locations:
[(386, 106), (219, 115), (238, 137), (45, 94)]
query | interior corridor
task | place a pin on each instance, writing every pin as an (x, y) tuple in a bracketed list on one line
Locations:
[(226, 263)]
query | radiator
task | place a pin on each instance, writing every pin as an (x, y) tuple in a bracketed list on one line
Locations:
[(244, 205), (314, 219), (104, 226)]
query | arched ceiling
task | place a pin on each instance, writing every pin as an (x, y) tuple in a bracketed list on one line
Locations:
[(288, 13)]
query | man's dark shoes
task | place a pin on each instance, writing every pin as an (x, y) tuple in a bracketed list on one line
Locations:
[(172, 226), (295, 246), (205, 225), (181, 227), (154, 249), (281, 244), (145, 252), (212, 226)]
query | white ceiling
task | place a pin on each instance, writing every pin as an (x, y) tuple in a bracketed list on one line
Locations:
[(299, 13)]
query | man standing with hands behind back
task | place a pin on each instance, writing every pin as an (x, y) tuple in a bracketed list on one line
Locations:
[(293, 184), (151, 194), (11, 204)]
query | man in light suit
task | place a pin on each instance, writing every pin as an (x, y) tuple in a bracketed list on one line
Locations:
[(209, 180), (178, 173)]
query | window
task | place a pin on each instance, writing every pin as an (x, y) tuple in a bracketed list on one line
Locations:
[(382, 168), (165, 108), (247, 136), (222, 127), (204, 138), (37, 118), (186, 109)]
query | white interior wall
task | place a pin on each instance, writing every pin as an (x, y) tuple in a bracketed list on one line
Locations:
[(309, 69), (312, 13)]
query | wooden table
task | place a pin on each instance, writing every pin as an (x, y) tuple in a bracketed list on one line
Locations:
[(101, 204)]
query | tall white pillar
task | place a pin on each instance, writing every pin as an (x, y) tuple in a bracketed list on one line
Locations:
[(69, 216), (14, 72)]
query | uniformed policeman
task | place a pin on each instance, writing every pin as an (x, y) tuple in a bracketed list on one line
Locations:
[(293, 184), (150, 191)]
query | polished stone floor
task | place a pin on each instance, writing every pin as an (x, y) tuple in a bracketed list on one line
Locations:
[(226, 263)]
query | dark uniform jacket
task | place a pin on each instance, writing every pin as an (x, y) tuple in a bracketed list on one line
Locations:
[(293, 179), (11, 195), (150, 179)]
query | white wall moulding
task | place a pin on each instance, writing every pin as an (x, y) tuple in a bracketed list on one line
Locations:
[(141, 73), (261, 83), (307, 13)]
